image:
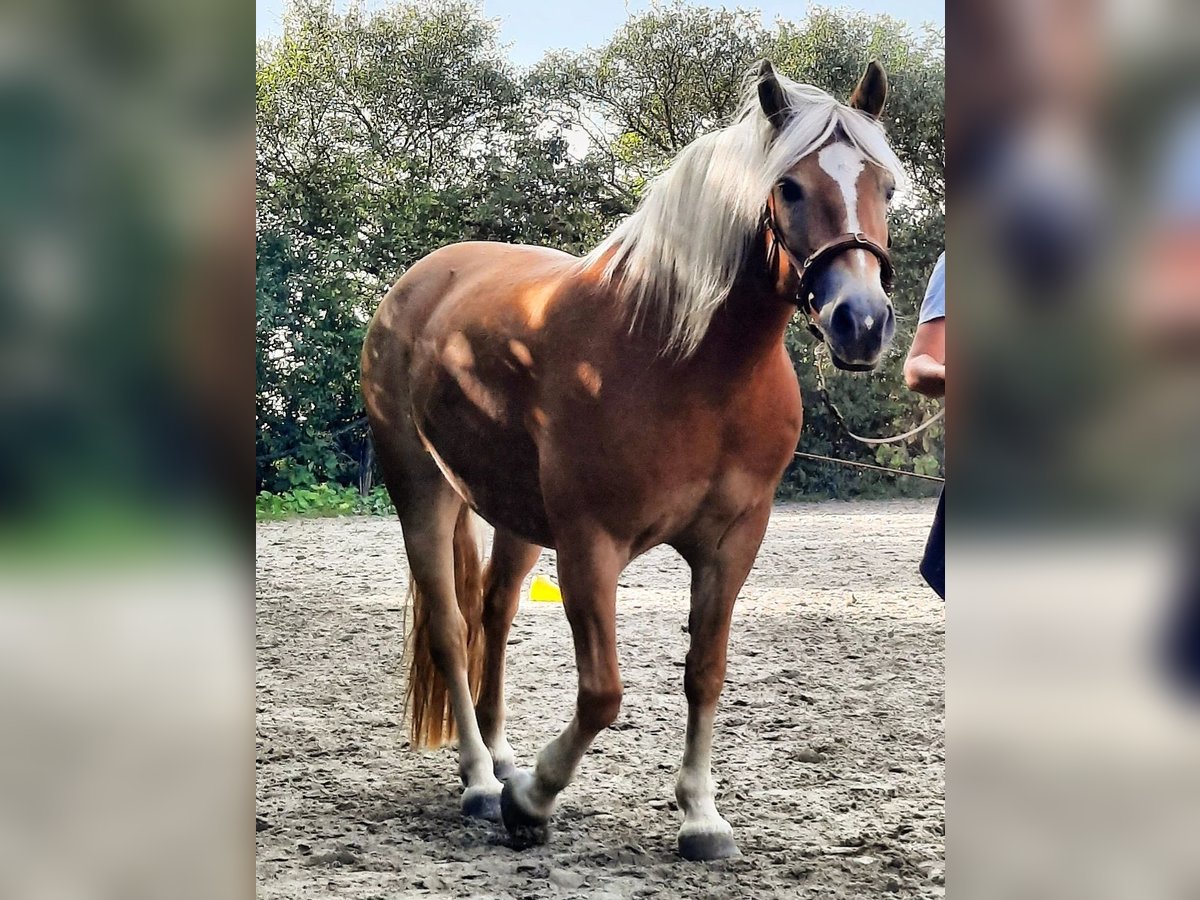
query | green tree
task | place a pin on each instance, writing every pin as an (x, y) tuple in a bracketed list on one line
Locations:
[(381, 138), (830, 48), (665, 78)]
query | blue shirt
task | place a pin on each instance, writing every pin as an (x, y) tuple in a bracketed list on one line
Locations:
[(1178, 188), (934, 306)]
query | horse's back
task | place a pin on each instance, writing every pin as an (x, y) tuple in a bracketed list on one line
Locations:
[(459, 268), (433, 290)]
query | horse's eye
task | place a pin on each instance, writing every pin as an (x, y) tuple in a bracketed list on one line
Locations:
[(891, 192), (792, 192)]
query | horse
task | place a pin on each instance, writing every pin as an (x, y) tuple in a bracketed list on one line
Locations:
[(606, 404)]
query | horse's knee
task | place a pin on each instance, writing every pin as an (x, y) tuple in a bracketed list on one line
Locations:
[(599, 707)]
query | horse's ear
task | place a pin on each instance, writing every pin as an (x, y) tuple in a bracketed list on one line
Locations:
[(871, 92), (770, 95)]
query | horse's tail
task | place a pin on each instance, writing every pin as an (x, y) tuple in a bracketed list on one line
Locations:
[(431, 719)]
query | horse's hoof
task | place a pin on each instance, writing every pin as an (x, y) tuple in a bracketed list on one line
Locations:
[(524, 829), (479, 803), (504, 770), (707, 845)]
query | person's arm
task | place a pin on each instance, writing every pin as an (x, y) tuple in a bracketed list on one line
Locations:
[(925, 368)]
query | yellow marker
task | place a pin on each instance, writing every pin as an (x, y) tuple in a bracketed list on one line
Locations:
[(543, 590)]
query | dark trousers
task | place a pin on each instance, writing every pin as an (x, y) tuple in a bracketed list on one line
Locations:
[(933, 564), (1181, 634)]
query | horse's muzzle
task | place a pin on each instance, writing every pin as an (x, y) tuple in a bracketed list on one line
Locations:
[(858, 327)]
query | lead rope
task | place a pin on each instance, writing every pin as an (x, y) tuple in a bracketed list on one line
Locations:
[(776, 245), (837, 414), (861, 465)]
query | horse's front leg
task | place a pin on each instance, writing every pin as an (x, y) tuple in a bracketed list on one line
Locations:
[(589, 563), (719, 569)]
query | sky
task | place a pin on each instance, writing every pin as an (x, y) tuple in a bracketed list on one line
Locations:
[(532, 27)]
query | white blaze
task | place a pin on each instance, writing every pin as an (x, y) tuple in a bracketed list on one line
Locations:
[(844, 163)]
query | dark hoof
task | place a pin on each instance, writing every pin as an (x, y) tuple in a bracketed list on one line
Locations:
[(524, 830), (707, 845), (481, 805), (504, 771)]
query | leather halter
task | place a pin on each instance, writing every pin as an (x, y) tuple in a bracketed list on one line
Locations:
[(808, 269)]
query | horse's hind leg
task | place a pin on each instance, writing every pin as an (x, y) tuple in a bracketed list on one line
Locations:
[(511, 560), (588, 566), (446, 578), (430, 538)]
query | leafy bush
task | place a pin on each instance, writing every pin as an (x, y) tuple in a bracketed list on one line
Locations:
[(322, 500)]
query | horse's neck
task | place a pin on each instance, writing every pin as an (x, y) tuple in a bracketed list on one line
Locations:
[(751, 323)]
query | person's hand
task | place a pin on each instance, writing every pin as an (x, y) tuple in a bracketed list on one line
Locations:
[(925, 370), (925, 375), (937, 376)]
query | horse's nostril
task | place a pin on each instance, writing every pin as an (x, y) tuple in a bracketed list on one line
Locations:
[(842, 320)]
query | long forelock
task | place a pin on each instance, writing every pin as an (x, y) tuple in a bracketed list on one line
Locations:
[(676, 258)]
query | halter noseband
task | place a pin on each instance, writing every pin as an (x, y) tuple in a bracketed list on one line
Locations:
[(807, 271)]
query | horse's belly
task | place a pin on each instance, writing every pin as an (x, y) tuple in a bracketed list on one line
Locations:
[(479, 440)]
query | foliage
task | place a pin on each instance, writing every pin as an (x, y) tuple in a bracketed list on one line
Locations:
[(665, 78), (322, 500), (382, 136), (830, 49)]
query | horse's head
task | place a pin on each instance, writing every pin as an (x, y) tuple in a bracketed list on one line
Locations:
[(828, 214)]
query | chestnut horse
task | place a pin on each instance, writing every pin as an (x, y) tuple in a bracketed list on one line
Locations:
[(602, 406)]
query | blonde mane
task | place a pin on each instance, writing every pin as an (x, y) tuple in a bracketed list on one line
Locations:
[(681, 250)]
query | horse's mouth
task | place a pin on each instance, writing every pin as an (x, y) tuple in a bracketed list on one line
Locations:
[(840, 363)]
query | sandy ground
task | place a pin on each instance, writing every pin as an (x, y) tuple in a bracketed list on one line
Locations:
[(829, 754)]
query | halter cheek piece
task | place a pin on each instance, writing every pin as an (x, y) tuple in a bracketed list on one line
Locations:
[(807, 271)]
